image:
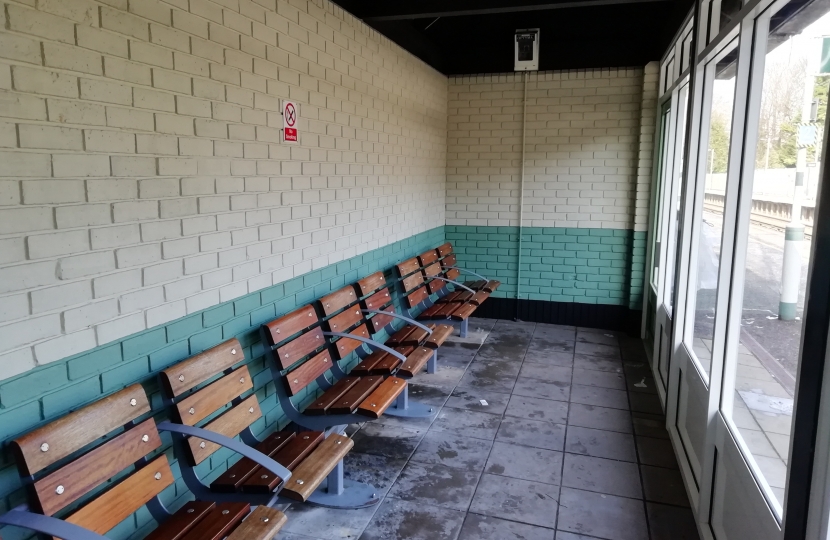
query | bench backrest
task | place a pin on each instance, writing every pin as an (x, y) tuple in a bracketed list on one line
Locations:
[(412, 282), (300, 347), (222, 394), (341, 313), (374, 294), (64, 470), (431, 268), (448, 259)]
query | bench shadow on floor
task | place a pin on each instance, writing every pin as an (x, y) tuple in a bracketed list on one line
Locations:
[(540, 432)]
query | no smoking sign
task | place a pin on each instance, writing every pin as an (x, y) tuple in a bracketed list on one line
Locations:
[(290, 117)]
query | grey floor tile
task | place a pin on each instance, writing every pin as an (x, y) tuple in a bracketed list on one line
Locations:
[(531, 387), (388, 441), (553, 342), (545, 357), (471, 401), (329, 523), (528, 502), (596, 349), (602, 337), (377, 471), (562, 535), (438, 485), (599, 443), (663, 486), (671, 522), (650, 425), (641, 384), (446, 376), (645, 403), (453, 451), (597, 363), (472, 382), (538, 409), (292, 536), (657, 452), (525, 463), (602, 475), (591, 416), (603, 379), (490, 528), (399, 520), (601, 397), (477, 425), (432, 395), (603, 516), (546, 373), (535, 433)]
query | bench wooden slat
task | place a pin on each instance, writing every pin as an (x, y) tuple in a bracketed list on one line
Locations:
[(463, 312), (378, 321), (417, 336), (444, 249), (476, 285), (455, 296), (439, 336), (288, 325), (378, 300), (400, 336), (308, 372), (76, 430), (345, 345), (345, 320), (117, 504), (193, 409), (432, 270), (412, 281), (96, 467), (432, 312), (371, 283), (355, 396), (417, 296), (389, 362), (492, 285), (182, 521), (449, 260), (300, 347), (263, 524), (229, 424), (365, 366), (453, 274), (334, 302), (428, 257), (330, 396), (408, 266), (217, 523), (415, 362), (198, 369), (291, 455), (231, 480), (309, 474), (479, 297), (382, 398), (436, 285)]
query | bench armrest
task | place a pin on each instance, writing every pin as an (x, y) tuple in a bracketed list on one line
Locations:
[(399, 316), (19, 517), (467, 271), (369, 342), (238, 447), (457, 284)]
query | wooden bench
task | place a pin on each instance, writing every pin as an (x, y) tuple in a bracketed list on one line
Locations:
[(229, 407), (300, 353), (449, 265), (61, 470), (367, 304)]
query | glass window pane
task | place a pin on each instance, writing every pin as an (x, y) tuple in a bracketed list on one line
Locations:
[(674, 201), (658, 226), (763, 365), (721, 76)]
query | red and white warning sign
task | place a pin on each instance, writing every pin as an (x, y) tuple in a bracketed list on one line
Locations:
[(290, 117)]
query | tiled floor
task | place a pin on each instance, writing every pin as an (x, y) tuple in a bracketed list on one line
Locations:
[(541, 432)]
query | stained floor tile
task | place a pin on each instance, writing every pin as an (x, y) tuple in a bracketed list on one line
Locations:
[(600, 443), (671, 522), (602, 475), (398, 520), (601, 397), (525, 463), (495, 403), (528, 502), (490, 528), (438, 485), (663, 486), (453, 451), (604, 516), (529, 387), (535, 433), (537, 409), (477, 425), (591, 416)]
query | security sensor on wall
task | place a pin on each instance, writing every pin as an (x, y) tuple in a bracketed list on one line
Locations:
[(526, 50)]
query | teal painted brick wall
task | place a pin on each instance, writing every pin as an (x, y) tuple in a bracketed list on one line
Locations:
[(48, 392), (595, 266)]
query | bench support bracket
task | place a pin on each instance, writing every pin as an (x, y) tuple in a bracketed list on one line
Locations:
[(22, 517), (404, 408), (464, 327), (340, 492), (432, 363)]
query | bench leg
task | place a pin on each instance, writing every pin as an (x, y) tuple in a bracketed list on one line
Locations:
[(342, 493), (409, 409), (432, 363), (464, 327)]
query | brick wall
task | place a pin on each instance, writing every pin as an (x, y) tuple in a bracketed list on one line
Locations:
[(588, 137), (141, 174)]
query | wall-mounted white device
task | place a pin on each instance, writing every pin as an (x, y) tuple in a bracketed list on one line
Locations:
[(527, 50)]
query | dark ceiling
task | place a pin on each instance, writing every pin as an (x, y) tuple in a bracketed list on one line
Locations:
[(476, 36)]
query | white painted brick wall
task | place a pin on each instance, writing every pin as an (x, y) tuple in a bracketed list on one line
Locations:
[(582, 142), (142, 175)]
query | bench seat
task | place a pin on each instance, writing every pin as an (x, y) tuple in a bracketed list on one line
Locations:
[(198, 520)]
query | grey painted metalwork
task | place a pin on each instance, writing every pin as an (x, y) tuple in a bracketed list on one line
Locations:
[(22, 517)]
